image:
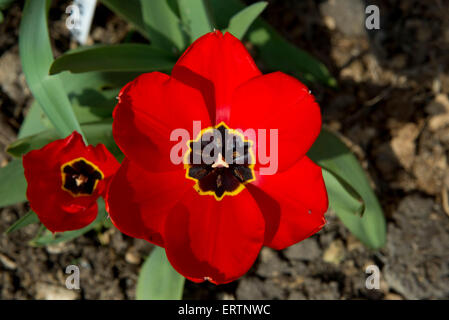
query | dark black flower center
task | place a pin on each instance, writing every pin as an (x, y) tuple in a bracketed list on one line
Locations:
[(80, 177), (220, 161)]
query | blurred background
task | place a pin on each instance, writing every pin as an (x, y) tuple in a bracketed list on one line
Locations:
[(392, 107)]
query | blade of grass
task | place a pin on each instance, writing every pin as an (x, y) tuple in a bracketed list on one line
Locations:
[(333, 155), (158, 280), (276, 52), (24, 221), (36, 58), (96, 132), (241, 21), (13, 184), (195, 17), (163, 26), (128, 57)]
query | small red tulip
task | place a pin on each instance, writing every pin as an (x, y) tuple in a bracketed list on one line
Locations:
[(213, 219), (65, 179)]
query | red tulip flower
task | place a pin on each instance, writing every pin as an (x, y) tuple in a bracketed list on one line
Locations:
[(212, 219), (65, 179)]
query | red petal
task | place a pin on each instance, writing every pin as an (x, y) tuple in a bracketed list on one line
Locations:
[(105, 161), (149, 109), (214, 240), (139, 200), (216, 64), (278, 101), (61, 220), (57, 209), (293, 203), (58, 152)]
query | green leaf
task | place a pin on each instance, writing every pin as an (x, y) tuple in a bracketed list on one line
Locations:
[(49, 238), (94, 106), (240, 22), (163, 25), (93, 94), (276, 53), (96, 132), (158, 280), (77, 83), (195, 17), (155, 19), (36, 58), (35, 121), (341, 199), (333, 155), (30, 218), (130, 10), (13, 185), (122, 57)]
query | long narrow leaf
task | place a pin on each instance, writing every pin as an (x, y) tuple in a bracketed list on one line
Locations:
[(158, 280), (163, 25), (13, 184), (24, 221), (127, 57), (348, 208), (77, 83), (275, 51), (92, 95), (196, 17), (95, 106), (96, 132), (240, 22), (34, 122), (339, 196), (36, 57), (333, 155)]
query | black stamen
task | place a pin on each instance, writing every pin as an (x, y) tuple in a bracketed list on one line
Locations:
[(80, 177), (225, 176)]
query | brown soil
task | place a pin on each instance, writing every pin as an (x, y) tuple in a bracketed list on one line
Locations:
[(392, 104)]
